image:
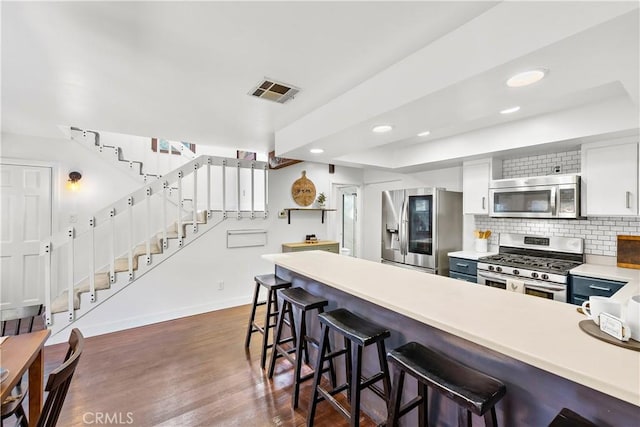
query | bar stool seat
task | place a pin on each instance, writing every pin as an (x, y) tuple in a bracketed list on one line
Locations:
[(472, 390), (568, 418), (272, 283), (358, 333), (303, 301)]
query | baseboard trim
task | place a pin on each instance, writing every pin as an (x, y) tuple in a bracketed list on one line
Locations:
[(149, 319)]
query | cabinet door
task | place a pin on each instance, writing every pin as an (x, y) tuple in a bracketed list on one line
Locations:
[(610, 175), (475, 188)]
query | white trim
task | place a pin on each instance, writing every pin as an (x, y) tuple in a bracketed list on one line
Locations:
[(333, 224)]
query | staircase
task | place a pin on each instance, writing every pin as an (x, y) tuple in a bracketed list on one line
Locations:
[(125, 240), (151, 165)]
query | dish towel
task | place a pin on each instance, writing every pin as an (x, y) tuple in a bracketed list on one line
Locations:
[(514, 285)]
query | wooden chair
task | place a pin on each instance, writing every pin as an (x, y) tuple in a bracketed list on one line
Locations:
[(59, 381), (14, 320)]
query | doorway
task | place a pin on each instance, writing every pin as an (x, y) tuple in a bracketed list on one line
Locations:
[(25, 192), (347, 196)]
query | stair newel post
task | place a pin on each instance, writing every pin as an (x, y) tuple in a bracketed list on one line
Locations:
[(148, 223), (266, 189), (208, 187), (112, 246), (130, 245), (224, 189), (195, 197), (70, 273), (180, 202), (253, 165), (238, 215), (165, 243), (46, 251), (92, 260)]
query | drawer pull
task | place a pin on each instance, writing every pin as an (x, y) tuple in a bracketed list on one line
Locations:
[(599, 288), (459, 264)]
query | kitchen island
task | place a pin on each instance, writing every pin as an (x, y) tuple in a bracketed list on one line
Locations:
[(531, 344)]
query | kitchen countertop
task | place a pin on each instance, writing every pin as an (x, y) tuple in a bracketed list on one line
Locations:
[(537, 331), (470, 254)]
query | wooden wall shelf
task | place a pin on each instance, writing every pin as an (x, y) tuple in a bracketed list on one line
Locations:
[(323, 210)]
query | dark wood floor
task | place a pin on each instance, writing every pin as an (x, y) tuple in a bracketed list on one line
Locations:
[(193, 371)]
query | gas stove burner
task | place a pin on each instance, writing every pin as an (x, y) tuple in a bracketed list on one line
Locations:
[(551, 265)]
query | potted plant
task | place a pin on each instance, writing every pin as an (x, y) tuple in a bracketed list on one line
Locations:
[(320, 200)]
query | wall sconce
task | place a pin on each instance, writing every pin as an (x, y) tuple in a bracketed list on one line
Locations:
[(73, 183)]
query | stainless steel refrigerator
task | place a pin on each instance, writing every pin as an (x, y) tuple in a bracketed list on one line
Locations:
[(420, 226)]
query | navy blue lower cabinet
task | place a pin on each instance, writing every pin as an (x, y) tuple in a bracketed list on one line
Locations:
[(463, 269), (581, 288)]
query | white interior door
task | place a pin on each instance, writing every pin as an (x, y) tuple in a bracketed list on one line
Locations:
[(26, 219)]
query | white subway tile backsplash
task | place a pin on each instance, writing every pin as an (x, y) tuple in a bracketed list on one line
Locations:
[(600, 233), (599, 239)]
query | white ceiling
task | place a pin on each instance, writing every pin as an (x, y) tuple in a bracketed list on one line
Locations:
[(183, 70)]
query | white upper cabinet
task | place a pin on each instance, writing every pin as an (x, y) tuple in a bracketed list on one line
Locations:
[(475, 184), (610, 178)]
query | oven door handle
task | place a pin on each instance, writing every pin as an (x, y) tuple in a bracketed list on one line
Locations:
[(492, 276), (545, 286)]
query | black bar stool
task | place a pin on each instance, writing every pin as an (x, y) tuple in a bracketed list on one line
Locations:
[(304, 302), (358, 333), (272, 283), (473, 391), (568, 418)]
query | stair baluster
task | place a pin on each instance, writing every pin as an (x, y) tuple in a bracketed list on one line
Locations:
[(70, 271), (195, 197), (165, 242), (130, 244), (238, 215), (92, 261), (148, 225), (112, 246), (180, 202)]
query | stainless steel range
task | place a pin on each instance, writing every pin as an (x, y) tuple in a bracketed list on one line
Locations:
[(534, 265)]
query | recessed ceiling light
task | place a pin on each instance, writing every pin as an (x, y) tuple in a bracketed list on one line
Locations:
[(425, 133), (316, 150), (510, 110), (382, 128), (526, 78)]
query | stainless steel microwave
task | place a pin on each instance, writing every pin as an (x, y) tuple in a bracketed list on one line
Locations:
[(555, 196)]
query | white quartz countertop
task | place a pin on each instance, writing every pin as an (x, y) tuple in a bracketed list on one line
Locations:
[(536, 331), (607, 272), (470, 254)]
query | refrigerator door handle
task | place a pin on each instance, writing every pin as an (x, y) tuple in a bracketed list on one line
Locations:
[(404, 240)]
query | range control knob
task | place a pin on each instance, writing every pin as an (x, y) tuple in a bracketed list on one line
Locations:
[(516, 272), (545, 277), (534, 275), (491, 268), (498, 269)]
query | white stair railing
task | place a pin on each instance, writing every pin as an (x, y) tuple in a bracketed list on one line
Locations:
[(142, 218), (135, 153)]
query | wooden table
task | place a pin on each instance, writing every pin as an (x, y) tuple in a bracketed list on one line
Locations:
[(21, 353)]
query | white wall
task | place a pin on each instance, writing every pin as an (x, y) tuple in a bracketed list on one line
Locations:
[(101, 183)]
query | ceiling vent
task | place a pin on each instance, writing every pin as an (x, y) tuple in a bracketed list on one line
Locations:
[(274, 91)]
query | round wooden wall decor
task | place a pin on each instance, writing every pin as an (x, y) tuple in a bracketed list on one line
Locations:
[(303, 191)]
